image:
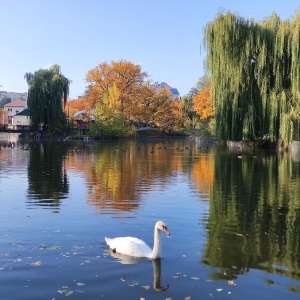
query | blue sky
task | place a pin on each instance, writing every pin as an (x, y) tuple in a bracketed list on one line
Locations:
[(164, 36)]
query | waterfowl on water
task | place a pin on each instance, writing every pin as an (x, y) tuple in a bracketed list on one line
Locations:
[(137, 248)]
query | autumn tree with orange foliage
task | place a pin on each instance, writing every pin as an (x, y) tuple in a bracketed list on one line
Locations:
[(126, 76), (73, 106), (198, 109), (203, 104), (120, 88), (157, 108)]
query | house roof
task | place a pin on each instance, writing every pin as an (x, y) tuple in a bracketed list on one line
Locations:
[(85, 115), (24, 112), (16, 103), (174, 91), (165, 86)]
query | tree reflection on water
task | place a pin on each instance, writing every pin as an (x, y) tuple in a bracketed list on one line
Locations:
[(254, 205), (254, 216), (47, 175)]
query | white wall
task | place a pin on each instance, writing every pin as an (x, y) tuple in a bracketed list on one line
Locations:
[(20, 120)]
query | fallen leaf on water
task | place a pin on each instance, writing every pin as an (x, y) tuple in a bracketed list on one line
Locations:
[(66, 292), (69, 293), (80, 284), (133, 284), (146, 287), (35, 263), (238, 234), (231, 282)]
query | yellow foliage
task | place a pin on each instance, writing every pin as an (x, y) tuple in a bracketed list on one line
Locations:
[(203, 103)]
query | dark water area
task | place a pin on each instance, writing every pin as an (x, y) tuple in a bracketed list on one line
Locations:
[(233, 215)]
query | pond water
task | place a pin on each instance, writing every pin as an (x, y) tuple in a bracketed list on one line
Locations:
[(233, 215)]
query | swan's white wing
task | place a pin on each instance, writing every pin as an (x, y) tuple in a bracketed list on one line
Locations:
[(129, 246)]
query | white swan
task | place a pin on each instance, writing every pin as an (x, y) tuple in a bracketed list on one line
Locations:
[(135, 247)]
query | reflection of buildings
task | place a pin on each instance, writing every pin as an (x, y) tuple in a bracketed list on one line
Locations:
[(6, 138)]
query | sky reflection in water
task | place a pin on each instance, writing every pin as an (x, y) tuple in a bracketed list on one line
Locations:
[(234, 220)]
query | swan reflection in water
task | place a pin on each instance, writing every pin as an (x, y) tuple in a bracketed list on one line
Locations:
[(156, 264)]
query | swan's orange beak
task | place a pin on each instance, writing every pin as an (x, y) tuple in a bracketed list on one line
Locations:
[(166, 231)]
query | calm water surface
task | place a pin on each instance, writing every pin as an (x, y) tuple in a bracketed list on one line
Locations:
[(234, 220)]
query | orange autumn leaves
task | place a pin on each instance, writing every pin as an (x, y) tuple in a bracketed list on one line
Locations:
[(74, 106), (203, 104), (203, 173), (121, 88), (125, 76)]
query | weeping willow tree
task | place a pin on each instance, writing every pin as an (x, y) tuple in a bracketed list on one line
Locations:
[(255, 71), (47, 94)]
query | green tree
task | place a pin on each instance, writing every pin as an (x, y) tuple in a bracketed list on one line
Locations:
[(255, 76), (3, 100), (191, 118), (202, 83), (47, 95)]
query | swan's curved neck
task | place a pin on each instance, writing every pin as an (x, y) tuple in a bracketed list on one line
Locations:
[(156, 246)]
